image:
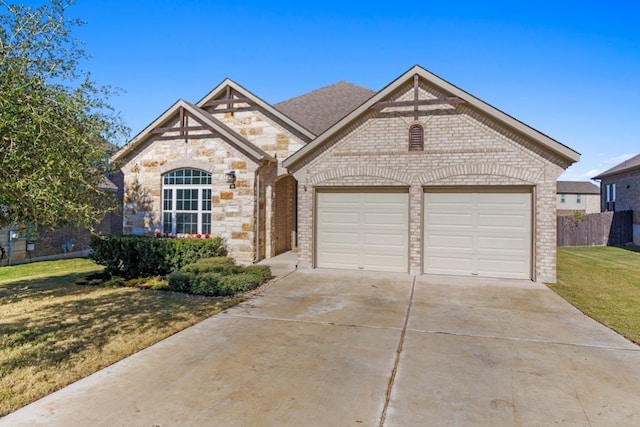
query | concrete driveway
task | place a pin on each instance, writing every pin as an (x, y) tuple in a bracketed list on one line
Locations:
[(330, 348)]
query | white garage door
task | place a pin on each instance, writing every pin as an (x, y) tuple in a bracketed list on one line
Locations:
[(362, 230), (478, 233)]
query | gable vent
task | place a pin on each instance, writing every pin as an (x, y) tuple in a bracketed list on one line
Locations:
[(416, 138)]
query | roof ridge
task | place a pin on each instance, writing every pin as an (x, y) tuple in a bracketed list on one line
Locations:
[(311, 92), (631, 163)]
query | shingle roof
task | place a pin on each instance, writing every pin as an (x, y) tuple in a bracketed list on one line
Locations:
[(562, 152), (577, 187), (626, 166), (318, 110)]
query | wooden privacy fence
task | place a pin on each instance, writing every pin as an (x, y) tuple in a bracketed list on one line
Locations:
[(597, 229)]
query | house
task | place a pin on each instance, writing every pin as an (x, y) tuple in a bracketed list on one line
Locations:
[(21, 244), (215, 168), (620, 191), (420, 177), (425, 178), (577, 196)]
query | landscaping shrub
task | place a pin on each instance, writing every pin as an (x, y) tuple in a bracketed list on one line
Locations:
[(207, 284), (261, 272), (218, 276), (238, 283), (180, 282), (223, 265), (140, 256)]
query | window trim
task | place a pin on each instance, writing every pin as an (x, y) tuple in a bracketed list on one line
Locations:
[(174, 183)]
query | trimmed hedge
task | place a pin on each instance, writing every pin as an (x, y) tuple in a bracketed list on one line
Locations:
[(218, 276), (141, 256)]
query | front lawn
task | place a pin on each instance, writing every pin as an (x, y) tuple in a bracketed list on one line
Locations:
[(54, 332), (603, 283)]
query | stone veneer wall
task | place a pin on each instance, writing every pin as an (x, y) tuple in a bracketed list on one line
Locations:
[(232, 213), (462, 148), (238, 215)]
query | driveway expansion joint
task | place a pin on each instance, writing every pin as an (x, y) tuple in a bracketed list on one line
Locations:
[(394, 371), (531, 340)]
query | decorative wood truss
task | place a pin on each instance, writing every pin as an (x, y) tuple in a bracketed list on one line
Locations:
[(417, 102), (230, 99), (183, 129)]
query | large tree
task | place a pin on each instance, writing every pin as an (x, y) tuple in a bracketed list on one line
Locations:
[(55, 121)]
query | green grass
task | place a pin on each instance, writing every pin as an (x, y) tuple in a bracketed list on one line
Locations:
[(54, 332), (603, 283)]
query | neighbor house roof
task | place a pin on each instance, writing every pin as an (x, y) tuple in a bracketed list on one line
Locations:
[(232, 137), (577, 187), (550, 144), (319, 109), (629, 165)]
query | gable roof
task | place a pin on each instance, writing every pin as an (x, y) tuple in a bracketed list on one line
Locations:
[(234, 139), (543, 140), (220, 91), (319, 109), (628, 165), (577, 187)]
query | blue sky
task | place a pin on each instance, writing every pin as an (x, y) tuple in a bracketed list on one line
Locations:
[(570, 69)]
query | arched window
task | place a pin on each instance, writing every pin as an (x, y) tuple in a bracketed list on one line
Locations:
[(186, 202), (416, 138)]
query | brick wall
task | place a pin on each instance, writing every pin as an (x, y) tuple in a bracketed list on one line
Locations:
[(462, 148), (627, 197)]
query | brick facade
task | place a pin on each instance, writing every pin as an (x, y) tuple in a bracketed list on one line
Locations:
[(627, 196), (462, 148)]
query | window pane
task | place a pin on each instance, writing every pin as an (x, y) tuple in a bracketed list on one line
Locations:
[(187, 223), (206, 199), (167, 223), (168, 199), (206, 223), (187, 199)]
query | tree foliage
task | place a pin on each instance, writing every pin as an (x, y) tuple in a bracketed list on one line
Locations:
[(54, 121)]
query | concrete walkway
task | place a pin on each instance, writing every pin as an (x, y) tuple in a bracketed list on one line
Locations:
[(331, 348)]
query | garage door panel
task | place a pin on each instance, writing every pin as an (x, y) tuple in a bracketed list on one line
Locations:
[(384, 219), (341, 237), (452, 264), (339, 218), (339, 260), (439, 242), (373, 223), (384, 240), (502, 220), (445, 220), (505, 243), (492, 237)]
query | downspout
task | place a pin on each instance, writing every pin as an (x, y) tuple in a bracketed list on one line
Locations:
[(257, 234)]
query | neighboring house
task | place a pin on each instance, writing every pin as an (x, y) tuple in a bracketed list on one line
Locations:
[(620, 191), (580, 196), (18, 245), (215, 168), (425, 178)]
